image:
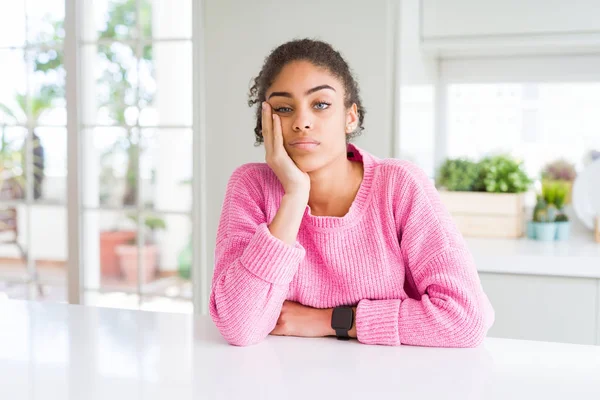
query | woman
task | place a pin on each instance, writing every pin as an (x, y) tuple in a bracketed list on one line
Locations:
[(326, 239)]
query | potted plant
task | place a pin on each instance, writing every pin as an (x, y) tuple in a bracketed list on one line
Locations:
[(544, 226), (562, 190), (563, 171), (128, 253), (549, 219), (458, 175), (485, 198), (109, 241)]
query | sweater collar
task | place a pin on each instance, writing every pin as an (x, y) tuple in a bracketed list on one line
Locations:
[(361, 200)]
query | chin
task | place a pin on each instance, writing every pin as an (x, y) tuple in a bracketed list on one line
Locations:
[(309, 163)]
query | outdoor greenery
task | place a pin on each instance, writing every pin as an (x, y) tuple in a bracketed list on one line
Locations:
[(119, 91)]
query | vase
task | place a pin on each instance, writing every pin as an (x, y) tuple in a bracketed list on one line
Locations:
[(545, 231), (563, 229)]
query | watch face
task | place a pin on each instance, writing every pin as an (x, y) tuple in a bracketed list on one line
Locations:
[(342, 318)]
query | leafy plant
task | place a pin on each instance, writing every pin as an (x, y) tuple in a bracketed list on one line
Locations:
[(117, 94), (121, 94), (561, 217), (554, 194), (26, 110), (502, 174), (540, 212), (559, 170), (458, 175), (153, 223)]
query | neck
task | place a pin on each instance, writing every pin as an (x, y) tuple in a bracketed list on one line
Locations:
[(334, 187)]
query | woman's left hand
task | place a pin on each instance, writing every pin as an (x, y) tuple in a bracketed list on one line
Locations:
[(296, 319)]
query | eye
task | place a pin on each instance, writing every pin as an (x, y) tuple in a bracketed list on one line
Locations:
[(321, 105), (283, 109)]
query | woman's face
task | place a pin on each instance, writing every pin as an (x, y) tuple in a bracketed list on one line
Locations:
[(314, 120)]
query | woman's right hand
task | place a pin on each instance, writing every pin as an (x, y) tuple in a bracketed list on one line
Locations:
[(293, 180)]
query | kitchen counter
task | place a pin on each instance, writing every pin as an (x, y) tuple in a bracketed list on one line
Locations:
[(59, 351), (577, 257)]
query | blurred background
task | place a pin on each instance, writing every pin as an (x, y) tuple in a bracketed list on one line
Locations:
[(134, 126), (122, 120)]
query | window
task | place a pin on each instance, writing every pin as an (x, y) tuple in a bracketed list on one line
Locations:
[(33, 140), (137, 152), (537, 109), (536, 122), (136, 133)]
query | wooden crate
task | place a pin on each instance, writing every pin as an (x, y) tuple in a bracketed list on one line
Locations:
[(480, 214)]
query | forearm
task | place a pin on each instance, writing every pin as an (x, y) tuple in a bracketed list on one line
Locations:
[(249, 286), (452, 310), (244, 307), (286, 224)]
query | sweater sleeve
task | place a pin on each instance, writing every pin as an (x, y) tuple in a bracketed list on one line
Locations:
[(253, 269), (449, 308)]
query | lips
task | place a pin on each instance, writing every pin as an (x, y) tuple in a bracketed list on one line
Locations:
[(303, 141), (305, 144)]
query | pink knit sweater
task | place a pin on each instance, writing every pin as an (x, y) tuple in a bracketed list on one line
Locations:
[(396, 255)]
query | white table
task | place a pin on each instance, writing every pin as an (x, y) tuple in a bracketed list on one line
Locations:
[(57, 351)]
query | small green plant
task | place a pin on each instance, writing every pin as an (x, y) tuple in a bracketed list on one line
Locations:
[(153, 224), (561, 218), (502, 174), (540, 212), (458, 175), (555, 194)]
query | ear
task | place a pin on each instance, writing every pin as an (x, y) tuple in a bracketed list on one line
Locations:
[(351, 119)]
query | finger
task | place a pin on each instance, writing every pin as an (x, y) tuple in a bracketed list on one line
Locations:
[(277, 134), (267, 126)]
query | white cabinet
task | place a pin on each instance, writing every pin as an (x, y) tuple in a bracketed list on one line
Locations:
[(443, 18), (547, 291), (546, 308)]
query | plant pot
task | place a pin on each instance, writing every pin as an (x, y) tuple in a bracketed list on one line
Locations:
[(128, 257), (563, 229), (531, 229), (545, 231), (109, 260)]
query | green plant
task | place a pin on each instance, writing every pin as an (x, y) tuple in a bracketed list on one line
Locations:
[(549, 192), (118, 94), (559, 170), (561, 191), (458, 175), (26, 110), (153, 223), (502, 174), (561, 217), (554, 194), (121, 95), (540, 212)]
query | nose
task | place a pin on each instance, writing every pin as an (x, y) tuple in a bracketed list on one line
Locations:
[(302, 122)]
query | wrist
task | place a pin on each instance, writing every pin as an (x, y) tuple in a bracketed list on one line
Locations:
[(331, 332), (300, 196), (352, 332)]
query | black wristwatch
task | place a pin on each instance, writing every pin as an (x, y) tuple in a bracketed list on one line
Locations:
[(342, 320)]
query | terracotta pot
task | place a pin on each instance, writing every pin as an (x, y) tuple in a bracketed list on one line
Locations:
[(128, 260), (109, 261)]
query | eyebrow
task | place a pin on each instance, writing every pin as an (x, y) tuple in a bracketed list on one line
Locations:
[(309, 91)]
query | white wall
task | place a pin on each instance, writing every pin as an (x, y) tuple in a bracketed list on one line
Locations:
[(239, 35), (443, 18), (418, 77)]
